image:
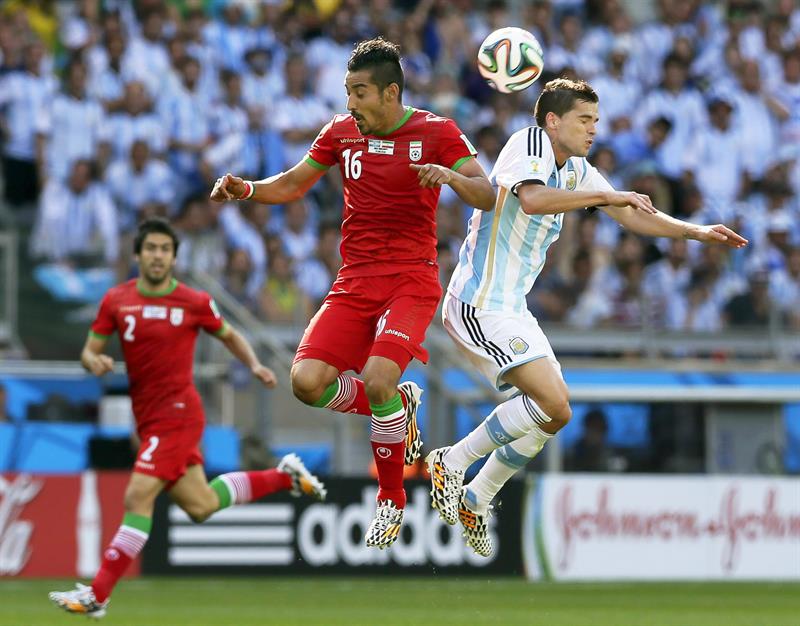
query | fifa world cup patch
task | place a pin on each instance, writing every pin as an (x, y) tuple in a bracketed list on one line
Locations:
[(380, 146), (415, 150), (518, 345), (176, 316)]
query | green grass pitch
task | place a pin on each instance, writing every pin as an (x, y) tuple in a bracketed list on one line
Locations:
[(411, 601)]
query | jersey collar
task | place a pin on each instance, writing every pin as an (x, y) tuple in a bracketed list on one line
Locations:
[(409, 112), (173, 284)]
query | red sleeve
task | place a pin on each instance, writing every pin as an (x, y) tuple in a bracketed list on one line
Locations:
[(104, 323), (454, 147), (321, 154), (208, 316)]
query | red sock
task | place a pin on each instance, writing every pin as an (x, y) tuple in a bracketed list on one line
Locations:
[(351, 397), (389, 463), (240, 487), (268, 481), (124, 547)]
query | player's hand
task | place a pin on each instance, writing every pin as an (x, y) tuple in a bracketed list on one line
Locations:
[(718, 233), (228, 187), (637, 201), (265, 375), (432, 175), (101, 364)]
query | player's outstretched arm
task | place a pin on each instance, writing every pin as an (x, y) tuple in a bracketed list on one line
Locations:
[(239, 347), (469, 182), (538, 199), (92, 357), (659, 224), (277, 189)]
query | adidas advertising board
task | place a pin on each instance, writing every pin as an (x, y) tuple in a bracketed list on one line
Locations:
[(283, 535)]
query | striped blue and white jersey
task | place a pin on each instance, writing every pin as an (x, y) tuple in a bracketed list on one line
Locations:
[(505, 249)]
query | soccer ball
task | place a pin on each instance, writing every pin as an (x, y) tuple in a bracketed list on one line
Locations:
[(510, 59)]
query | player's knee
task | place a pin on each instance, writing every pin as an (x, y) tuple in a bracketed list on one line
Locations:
[(379, 390), (305, 385), (559, 413), (198, 513)]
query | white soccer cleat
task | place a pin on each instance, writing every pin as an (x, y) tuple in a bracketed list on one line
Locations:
[(80, 600), (385, 528), (412, 393), (303, 481), (476, 528), (445, 486)]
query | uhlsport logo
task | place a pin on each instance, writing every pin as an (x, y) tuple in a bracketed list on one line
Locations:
[(111, 554), (384, 453)]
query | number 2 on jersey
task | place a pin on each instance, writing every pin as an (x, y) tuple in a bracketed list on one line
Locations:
[(147, 455), (352, 167), (130, 322)]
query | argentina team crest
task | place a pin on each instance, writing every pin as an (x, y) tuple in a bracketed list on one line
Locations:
[(176, 316), (572, 180), (518, 345), (415, 150)]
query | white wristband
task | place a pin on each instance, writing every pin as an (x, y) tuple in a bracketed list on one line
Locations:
[(249, 190)]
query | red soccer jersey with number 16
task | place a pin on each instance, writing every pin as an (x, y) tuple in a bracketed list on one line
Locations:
[(389, 221), (158, 332)]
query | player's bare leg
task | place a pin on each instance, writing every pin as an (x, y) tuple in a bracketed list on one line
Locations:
[(310, 379), (140, 496), (387, 438)]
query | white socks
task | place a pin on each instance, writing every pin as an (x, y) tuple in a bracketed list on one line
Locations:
[(509, 422), (502, 465)]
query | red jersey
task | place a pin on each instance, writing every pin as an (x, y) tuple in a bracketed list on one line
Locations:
[(157, 331), (389, 221)]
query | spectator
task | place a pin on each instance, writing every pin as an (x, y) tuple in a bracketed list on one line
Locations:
[(76, 221), (316, 274), (753, 307), (618, 92), (202, 246), (299, 114), (135, 121), (237, 270), (111, 67), (229, 126), (756, 112), (666, 279), (591, 452), (141, 186), (298, 236), (697, 311), (784, 288), (327, 57), (73, 128), (24, 96), (149, 54), (282, 301)]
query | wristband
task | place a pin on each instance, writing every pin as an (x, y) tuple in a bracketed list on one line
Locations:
[(249, 190)]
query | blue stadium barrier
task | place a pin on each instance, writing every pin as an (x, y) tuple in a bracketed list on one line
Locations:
[(220, 449), (316, 457), (53, 447)]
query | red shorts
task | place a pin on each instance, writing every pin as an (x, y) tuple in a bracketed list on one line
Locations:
[(368, 316), (166, 451)]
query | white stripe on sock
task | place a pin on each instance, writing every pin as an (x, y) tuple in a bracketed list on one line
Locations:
[(391, 429), (238, 485), (129, 540)]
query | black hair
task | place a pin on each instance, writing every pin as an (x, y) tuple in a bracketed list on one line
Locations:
[(559, 96), (154, 225), (382, 59)]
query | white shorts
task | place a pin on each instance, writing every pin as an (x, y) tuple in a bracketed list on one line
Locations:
[(495, 341)]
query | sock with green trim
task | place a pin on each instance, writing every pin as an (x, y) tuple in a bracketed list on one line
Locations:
[(124, 548), (240, 487), (346, 395), (388, 447)]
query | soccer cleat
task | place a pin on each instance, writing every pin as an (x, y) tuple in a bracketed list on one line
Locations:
[(79, 600), (385, 528), (445, 486), (412, 393), (303, 481), (476, 528)]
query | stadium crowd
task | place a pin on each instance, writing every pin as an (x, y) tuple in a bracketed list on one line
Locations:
[(112, 110)]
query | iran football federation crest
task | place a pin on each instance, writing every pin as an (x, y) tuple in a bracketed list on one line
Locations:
[(176, 316), (415, 150)]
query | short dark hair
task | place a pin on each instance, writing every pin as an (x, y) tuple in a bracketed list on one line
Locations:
[(382, 59), (560, 96), (154, 225)]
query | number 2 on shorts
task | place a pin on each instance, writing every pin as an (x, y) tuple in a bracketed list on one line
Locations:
[(147, 455)]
